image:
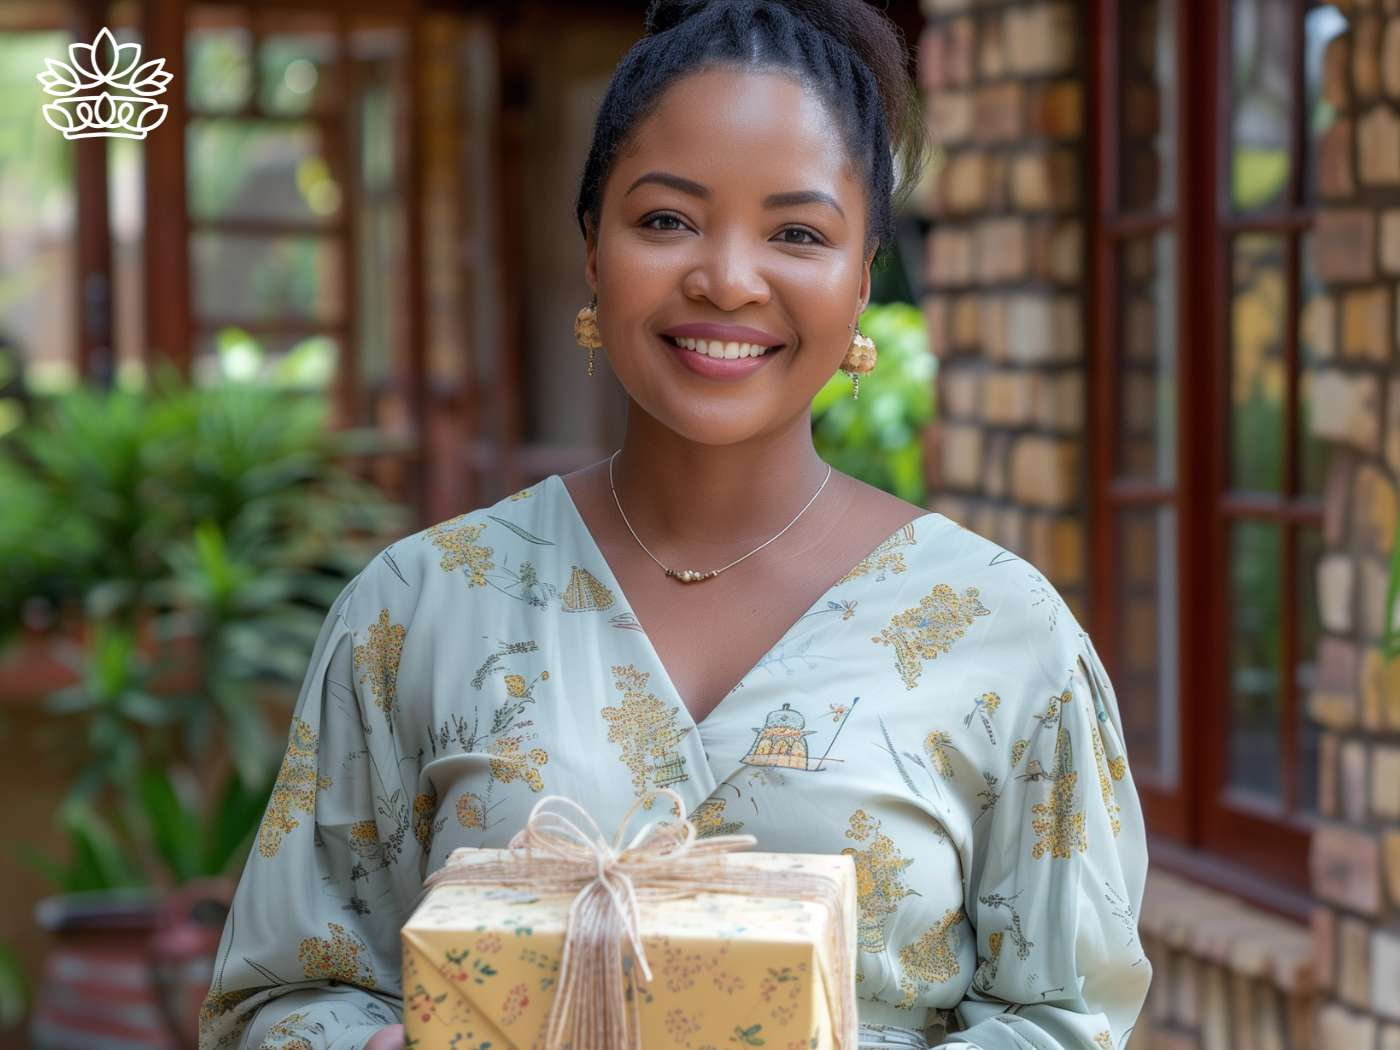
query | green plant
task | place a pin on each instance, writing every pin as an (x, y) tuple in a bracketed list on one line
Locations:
[(876, 437), (14, 988), (198, 535)]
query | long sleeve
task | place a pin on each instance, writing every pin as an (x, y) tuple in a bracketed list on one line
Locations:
[(1059, 876), (309, 958)]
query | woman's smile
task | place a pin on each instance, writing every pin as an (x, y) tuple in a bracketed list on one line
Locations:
[(712, 359)]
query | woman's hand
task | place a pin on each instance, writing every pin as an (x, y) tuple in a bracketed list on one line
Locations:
[(388, 1038)]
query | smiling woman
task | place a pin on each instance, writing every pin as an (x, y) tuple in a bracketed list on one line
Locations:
[(688, 612)]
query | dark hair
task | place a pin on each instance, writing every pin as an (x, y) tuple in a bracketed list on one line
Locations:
[(847, 50)]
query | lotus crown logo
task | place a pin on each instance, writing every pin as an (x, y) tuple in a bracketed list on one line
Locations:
[(86, 108)]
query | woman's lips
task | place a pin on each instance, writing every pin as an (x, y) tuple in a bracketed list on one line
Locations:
[(719, 368)]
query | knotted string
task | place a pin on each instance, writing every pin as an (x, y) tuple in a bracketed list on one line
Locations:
[(567, 852)]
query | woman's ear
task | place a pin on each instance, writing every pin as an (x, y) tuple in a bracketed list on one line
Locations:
[(864, 295)]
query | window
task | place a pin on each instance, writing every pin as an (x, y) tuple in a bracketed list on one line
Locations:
[(1207, 493)]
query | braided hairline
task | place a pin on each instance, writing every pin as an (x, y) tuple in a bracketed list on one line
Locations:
[(780, 40)]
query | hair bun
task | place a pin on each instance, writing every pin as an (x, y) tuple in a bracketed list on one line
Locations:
[(667, 14)]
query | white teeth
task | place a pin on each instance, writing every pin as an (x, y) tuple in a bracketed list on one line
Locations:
[(728, 351)]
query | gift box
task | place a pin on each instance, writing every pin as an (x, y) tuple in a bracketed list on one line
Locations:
[(771, 965)]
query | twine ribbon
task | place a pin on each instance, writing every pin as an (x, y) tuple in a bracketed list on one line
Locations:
[(562, 850)]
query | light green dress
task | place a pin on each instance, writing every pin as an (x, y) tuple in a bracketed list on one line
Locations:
[(938, 714)]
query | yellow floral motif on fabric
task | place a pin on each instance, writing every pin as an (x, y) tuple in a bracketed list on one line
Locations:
[(1110, 799), (930, 628), (1060, 828), (378, 661), (283, 1035), (424, 809), (343, 957), (459, 548), (932, 959), (1104, 1041), (708, 819), (879, 882), (509, 764), (295, 788), (471, 811), (644, 727), (522, 494), (214, 1007), (937, 745), (364, 839), (885, 558)]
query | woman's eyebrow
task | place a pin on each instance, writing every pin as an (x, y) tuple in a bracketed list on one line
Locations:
[(773, 200)]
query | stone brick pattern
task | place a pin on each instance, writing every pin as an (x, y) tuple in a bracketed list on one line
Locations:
[(1226, 976), (1004, 299), (1004, 83), (1355, 858)]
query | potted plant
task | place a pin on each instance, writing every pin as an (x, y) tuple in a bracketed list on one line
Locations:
[(185, 543)]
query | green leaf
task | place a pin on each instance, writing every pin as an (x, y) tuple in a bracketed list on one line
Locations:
[(174, 831)]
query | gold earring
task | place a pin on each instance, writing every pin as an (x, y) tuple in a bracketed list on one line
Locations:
[(586, 330), (859, 360)]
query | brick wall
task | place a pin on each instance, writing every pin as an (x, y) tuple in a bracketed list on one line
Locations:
[(1356, 854), (1004, 84), (1005, 265)]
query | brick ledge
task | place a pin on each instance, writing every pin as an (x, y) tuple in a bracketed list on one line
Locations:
[(1228, 931)]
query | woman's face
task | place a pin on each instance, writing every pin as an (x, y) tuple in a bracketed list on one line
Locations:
[(688, 235)]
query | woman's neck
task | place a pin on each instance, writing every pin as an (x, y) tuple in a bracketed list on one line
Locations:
[(722, 497)]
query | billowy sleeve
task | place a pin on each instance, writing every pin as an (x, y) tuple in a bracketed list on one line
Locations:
[(309, 958), (1059, 871)]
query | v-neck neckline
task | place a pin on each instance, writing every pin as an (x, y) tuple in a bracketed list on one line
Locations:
[(605, 567)]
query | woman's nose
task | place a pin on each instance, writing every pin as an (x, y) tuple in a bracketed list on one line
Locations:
[(728, 273)]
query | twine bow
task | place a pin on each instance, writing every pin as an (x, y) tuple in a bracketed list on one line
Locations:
[(562, 849)]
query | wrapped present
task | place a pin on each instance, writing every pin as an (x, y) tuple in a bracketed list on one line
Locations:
[(566, 941)]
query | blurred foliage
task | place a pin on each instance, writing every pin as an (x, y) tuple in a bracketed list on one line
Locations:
[(877, 437), (196, 536), (14, 988)]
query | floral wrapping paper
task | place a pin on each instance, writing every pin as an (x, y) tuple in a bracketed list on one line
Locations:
[(481, 963)]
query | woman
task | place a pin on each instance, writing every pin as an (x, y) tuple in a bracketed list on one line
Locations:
[(801, 656)]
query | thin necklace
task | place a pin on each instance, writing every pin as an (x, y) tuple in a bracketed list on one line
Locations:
[(692, 575)]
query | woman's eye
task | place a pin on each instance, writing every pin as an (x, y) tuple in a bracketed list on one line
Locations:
[(650, 222), (647, 224)]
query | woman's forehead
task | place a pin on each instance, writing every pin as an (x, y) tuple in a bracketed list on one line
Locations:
[(740, 128)]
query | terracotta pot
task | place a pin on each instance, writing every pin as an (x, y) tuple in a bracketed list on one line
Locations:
[(127, 968)]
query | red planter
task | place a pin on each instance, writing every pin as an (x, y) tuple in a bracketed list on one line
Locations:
[(128, 969)]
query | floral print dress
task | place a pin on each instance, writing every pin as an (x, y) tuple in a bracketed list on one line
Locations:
[(938, 715)]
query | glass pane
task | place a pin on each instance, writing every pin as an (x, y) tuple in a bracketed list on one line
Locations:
[(243, 169), (1146, 677), (1146, 446), (1261, 102), (252, 278), (1315, 347), (219, 51), (1257, 386), (297, 64), (1320, 25), (377, 50), (1147, 103), (1255, 579), (233, 354), (1305, 674), (126, 206), (38, 225)]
